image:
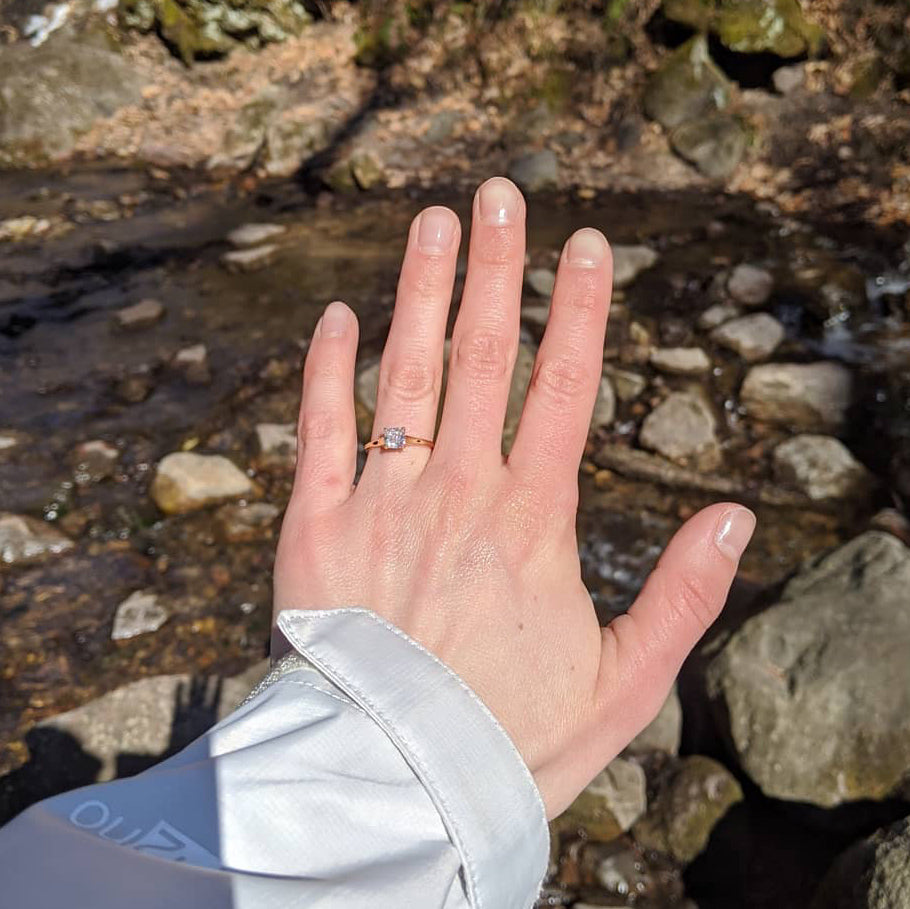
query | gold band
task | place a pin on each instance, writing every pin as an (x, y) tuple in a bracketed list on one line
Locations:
[(393, 438)]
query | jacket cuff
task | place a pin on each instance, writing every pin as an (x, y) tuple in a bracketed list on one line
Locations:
[(475, 776)]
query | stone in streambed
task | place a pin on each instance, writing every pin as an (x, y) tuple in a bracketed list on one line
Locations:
[(628, 385), (254, 234), (750, 285), (143, 314), (690, 796), (814, 693), (186, 481), (193, 364), (683, 429), (680, 361), (24, 540), (139, 613), (629, 262), (717, 315), (277, 445), (753, 337), (821, 467), (94, 461), (244, 523), (664, 732), (715, 144), (605, 406), (541, 281), (535, 171), (255, 258), (812, 396)]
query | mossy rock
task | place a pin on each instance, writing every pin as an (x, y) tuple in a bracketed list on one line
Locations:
[(714, 144), (751, 26)]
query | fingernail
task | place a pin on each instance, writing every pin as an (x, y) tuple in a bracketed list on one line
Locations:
[(334, 321), (435, 231), (734, 532), (586, 247), (500, 201)]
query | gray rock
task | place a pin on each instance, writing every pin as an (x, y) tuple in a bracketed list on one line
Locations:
[(821, 467), (680, 361), (690, 796), (683, 429), (664, 732), (442, 126), (813, 396), (716, 315), (139, 613), (687, 86), (277, 445), (628, 385), (366, 385), (193, 363), (629, 262), (535, 171), (151, 717), (253, 259), (714, 144), (367, 170), (290, 139), (237, 523), (541, 281), (254, 234), (536, 315), (753, 337), (24, 540), (605, 406), (186, 481), (872, 874), (787, 79), (750, 285), (94, 461), (611, 803), (52, 94), (815, 691), (140, 315)]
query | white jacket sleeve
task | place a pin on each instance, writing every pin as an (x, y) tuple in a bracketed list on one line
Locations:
[(362, 772)]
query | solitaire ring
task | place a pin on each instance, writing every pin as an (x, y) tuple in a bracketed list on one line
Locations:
[(394, 438)]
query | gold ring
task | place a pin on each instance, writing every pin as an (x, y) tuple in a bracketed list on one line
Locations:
[(394, 438)]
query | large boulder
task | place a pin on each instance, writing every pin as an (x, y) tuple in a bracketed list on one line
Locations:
[(813, 396), (814, 693)]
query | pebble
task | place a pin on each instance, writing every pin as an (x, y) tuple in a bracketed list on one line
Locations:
[(535, 171), (10, 439), (750, 285), (605, 407), (24, 539), (94, 461), (629, 262), (253, 259), (186, 481), (716, 315), (253, 234), (787, 79), (277, 443), (244, 523), (139, 613), (664, 732), (682, 429), (535, 315), (680, 361), (753, 337), (822, 467), (193, 363), (541, 281), (629, 385), (143, 314), (366, 169)]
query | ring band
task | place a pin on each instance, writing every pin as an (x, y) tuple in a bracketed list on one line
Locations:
[(394, 438)]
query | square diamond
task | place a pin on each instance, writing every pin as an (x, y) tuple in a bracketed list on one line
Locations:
[(393, 437)]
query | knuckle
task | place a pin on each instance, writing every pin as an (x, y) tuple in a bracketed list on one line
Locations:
[(482, 355), (559, 379), (410, 378), (691, 598)]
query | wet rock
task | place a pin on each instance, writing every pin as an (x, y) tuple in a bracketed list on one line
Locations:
[(628, 385), (277, 444), (787, 79), (541, 281), (680, 361), (535, 171), (716, 315), (815, 691), (750, 285), (611, 803), (244, 523), (135, 387), (715, 144), (872, 874), (626, 875), (682, 429), (751, 26), (753, 337), (186, 481), (821, 467), (25, 227), (367, 170), (605, 406), (94, 461), (690, 796), (10, 439), (139, 613), (148, 719), (814, 396), (193, 364), (254, 234), (664, 732), (52, 94), (687, 87), (24, 540), (629, 262), (255, 258), (143, 314)]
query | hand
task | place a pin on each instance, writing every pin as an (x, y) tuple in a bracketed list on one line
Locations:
[(475, 556)]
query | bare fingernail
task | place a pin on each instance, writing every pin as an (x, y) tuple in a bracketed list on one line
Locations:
[(435, 231), (500, 201), (734, 532), (586, 247), (334, 321)]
